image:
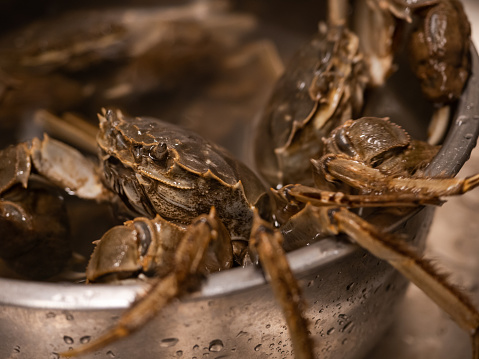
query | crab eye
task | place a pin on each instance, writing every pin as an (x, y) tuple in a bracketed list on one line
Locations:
[(137, 152), (159, 152), (344, 144)]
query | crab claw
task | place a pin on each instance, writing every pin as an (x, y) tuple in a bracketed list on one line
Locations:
[(196, 253)]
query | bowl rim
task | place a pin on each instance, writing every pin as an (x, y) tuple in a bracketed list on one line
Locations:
[(456, 150)]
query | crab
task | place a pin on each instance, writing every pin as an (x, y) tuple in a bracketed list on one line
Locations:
[(35, 227), (140, 156), (84, 59), (151, 171), (327, 79), (438, 47)]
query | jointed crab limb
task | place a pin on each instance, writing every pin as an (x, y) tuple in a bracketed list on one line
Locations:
[(189, 261), (418, 270), (67, 168), (267, 243), (361, 176), (337, 12), (59, 163), (321, 198)]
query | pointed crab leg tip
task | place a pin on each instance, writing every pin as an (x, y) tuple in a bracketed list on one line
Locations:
[(98, 344), (213, 211), (101, 118), (471, 183)]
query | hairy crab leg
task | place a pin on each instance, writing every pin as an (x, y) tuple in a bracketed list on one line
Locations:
[(364, 177), (189, 260), (320, 198), (417, 269), (266, 242)]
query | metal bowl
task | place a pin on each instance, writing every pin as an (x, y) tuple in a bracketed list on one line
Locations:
[(350, 294)]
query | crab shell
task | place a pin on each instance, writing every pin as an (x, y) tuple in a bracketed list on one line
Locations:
[(157, 168)]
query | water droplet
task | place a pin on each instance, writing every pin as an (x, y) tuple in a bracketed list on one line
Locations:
[(268, 326), (348, 326), (216, 345), (168, 342), (85, 339), (344, 341), (54, 356), (51, 315), (196, 347), (69, 316), (110, 354), (17, 349), (350, 286), (468, 136), (257, 348), (342, 319), (67, 339), (330, 331), (179, 353), (241, 334)]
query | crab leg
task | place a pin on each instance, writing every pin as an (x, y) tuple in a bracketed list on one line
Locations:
[(363, 177), (61, 164), (321, 198), (190, 256), (337, 12), (267, 243), (418, 270)]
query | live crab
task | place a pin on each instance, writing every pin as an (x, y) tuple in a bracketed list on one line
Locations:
[(139, 156)]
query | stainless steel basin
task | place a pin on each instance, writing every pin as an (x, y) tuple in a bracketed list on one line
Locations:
[(351, 295)]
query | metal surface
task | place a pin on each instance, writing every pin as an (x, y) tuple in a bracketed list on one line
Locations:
[(350, 297), (349, 293)]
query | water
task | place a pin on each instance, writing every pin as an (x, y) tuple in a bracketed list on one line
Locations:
[(85, 339), (216, 345), (168, 342), (68, 340)]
